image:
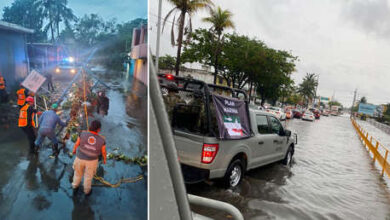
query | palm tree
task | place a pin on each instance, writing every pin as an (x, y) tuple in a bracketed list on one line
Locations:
[(63, 14), (308, 87), (56, 11), (185, 7), (220, 20)]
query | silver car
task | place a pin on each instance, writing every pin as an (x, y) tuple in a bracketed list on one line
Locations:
[(203, 157)]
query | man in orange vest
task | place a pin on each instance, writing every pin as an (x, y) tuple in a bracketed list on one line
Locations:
[(3, 92), (26, 122), (21, 94)]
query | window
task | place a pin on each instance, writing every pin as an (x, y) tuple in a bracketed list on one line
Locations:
[(275, 125), (262, 124)]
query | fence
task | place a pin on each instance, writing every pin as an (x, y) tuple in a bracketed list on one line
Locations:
[(378, 151)]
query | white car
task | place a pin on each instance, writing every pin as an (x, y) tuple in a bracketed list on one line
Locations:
[(308, 116), (278, 112)]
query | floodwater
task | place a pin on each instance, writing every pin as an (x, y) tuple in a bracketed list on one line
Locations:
[(37, 187), (332, 177)]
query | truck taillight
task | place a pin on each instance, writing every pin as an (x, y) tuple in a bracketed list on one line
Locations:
[(209, 152)]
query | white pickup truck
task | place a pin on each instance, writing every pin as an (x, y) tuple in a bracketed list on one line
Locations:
[(204, 156)]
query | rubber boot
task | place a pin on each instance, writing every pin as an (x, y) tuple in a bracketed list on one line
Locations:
[(55, 150)]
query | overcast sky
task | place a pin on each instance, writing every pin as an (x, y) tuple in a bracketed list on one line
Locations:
[(347, 43), (123, 10)]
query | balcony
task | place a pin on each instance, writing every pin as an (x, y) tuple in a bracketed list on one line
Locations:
[(139, 51)]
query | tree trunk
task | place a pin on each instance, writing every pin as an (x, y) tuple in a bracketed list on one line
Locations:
[(180, 41), (250, 91), (216, 60), (52, 32)]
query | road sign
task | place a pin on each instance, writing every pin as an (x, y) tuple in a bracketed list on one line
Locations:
[(33, 81), (367, 109)]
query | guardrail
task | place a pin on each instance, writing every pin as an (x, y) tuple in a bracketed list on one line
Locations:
[(215, 204), (378, 151)]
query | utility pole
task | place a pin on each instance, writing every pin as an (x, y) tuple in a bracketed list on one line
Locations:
[(353, 102), (158, 34)]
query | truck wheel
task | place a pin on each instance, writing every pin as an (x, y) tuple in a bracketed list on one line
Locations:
[(234, 174), (288, 158)]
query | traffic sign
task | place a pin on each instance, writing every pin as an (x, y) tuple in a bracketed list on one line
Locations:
[(33, 81)]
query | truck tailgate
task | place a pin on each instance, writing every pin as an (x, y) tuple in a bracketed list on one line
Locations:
[(189, 148)]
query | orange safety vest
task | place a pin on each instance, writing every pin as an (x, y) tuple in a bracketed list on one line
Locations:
[(23, 117), (21, 97), (2, 83)]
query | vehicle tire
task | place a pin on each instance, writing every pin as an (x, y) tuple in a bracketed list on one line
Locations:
[(288, 158), (234, 174)]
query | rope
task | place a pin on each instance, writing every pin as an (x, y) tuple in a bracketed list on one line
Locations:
[(112, 185), (85, 101)]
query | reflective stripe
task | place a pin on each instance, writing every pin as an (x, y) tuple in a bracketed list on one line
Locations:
[(21, 97), (2, 83), (23, 116), (22, 122)]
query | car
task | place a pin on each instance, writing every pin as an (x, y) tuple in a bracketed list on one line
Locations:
[(278, 112), (66, 69), (297, 113), (325, 113), (289, 114), (203, 155), (308, 116)]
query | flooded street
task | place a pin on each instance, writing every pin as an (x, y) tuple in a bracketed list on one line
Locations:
[(37, 187), (332, 177)]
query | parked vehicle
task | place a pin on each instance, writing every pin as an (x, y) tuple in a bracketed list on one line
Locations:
[(289, 114), (204, 156), (278, 112), (297, 113), (308, 116), (325, 113)]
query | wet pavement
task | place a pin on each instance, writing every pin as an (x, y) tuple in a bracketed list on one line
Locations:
[(332, 177), (37, 187)]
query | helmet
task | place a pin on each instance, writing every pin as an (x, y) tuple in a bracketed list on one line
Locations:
[(54, 106), (29, 99)]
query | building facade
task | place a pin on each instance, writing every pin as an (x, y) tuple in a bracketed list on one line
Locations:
[(138, 65), (14, 61)]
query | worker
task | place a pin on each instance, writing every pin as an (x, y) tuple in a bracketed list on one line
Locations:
[(26, 122), (49, 79), (89, 145), (47, 124), (172, 99), (102, 103), (3, 92), (22, 93)]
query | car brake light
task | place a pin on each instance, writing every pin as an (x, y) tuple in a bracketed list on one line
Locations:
[(209, 152), (169, 77)]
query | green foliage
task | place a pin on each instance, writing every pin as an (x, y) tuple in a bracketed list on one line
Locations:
[(308, 87), (29, 14), (363, 100), (185, 8), (166, 62), (244, 61), (334, 103), (142, 161)]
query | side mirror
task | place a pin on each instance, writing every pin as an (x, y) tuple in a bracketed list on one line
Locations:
[(287, 133)]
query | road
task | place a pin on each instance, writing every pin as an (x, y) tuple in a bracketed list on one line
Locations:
[(34, 187), (332, 177)]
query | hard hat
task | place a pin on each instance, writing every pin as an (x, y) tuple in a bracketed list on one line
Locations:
[(29, 99), (54, 106)]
